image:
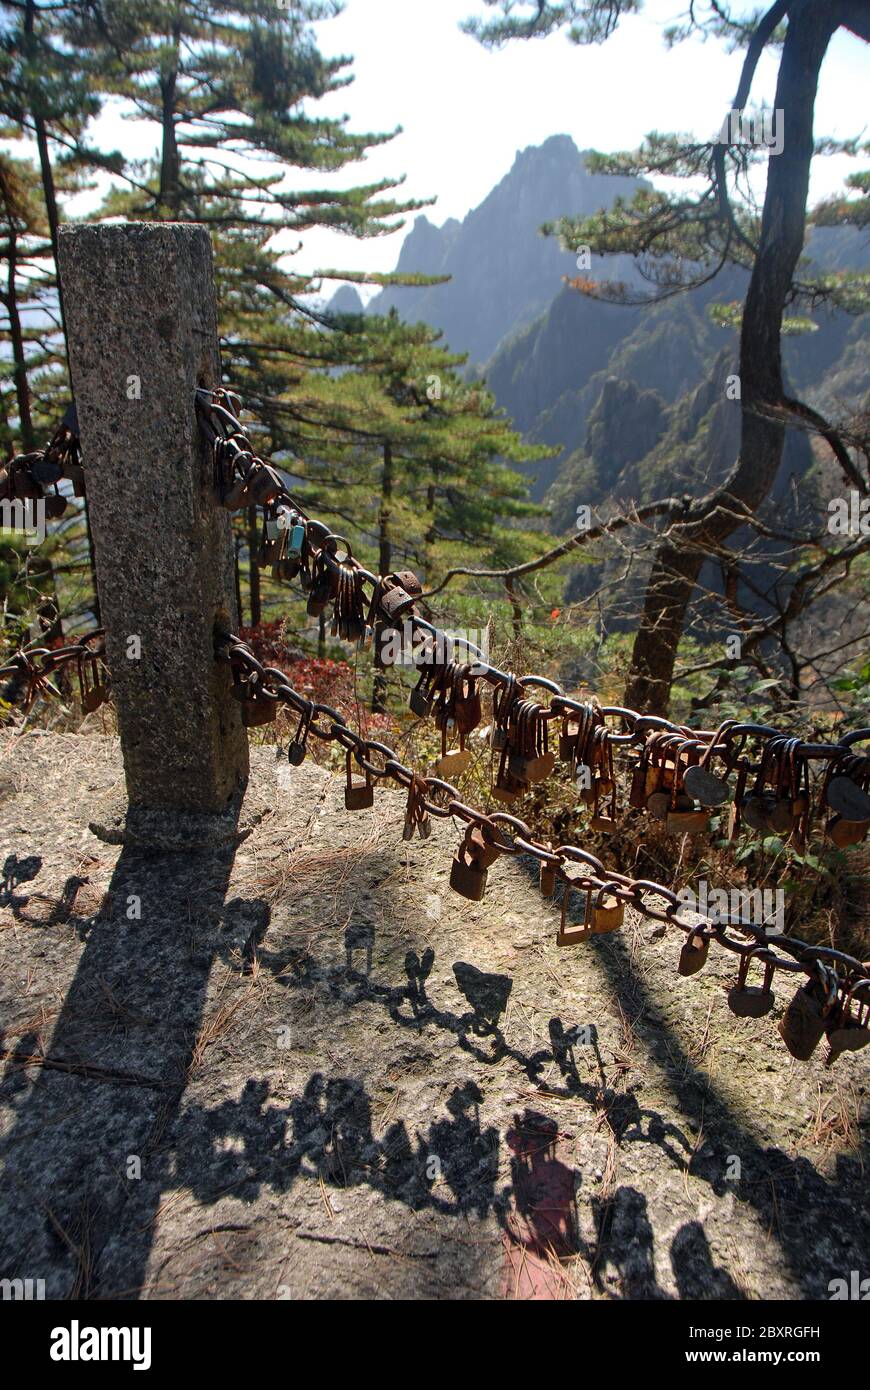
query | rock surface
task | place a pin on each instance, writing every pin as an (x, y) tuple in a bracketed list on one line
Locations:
[(308, 1069)]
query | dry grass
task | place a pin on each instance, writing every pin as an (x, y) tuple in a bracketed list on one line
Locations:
[(215, 1025), (836, 1123)]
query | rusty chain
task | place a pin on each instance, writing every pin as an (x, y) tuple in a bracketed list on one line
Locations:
[(35, 666), (835, 974), (36, 475), (837, 982)]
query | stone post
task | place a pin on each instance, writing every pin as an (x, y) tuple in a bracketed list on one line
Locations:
[(142, 326)]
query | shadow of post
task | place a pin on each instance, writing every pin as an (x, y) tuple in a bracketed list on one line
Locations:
[(87, 1157)]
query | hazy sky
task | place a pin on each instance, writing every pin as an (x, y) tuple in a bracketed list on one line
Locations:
[(466, 111)]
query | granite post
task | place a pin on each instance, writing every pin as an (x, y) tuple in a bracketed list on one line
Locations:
[(142, 328)]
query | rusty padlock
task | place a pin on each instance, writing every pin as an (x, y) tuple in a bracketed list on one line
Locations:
[(751, 1001), (803, 1024), (694, 953), (468, 873), (358, 796), (848, 1032)]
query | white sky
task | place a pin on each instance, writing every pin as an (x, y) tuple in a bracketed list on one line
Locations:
[(466, 111)]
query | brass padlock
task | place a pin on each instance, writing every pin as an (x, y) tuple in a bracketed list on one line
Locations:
[(685, 818), (608, 912)]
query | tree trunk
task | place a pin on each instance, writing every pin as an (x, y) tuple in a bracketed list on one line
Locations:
[(16, 338), (170, 161), (385, 565), (680, 557)]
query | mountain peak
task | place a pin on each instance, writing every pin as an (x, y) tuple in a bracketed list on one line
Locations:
[(503, 272)]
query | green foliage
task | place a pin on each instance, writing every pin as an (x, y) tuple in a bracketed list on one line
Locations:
[(588, 21)]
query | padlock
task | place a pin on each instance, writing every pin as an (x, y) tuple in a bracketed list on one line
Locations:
[(295, 542), (46, 470), (259, 708), (848, 1033), (358, 796), (570, 935), (847, 799), (76, 475), (757, 810), (484, 852), (93, 690), (508, 789), (297, 747), (547, 880), (637, 792), (23, 484), (407, 580), (265, 485), (422, 697), (846, 832), (802, 1026), (703, 786), (751, 1001), (453, 763), (587, 791), (319, 594), (467, 709), (694, 953), (568, 740), (270, 542), (503, 701), (394, 604), (467, 877), (608, 912), (685, 818), (538, 769), (782, 816), (55, 505), (416, 811)]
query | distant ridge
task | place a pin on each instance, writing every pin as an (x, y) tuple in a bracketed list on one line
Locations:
[(504, 272)]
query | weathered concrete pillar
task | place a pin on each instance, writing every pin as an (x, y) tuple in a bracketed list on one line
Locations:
[(142, 324)]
